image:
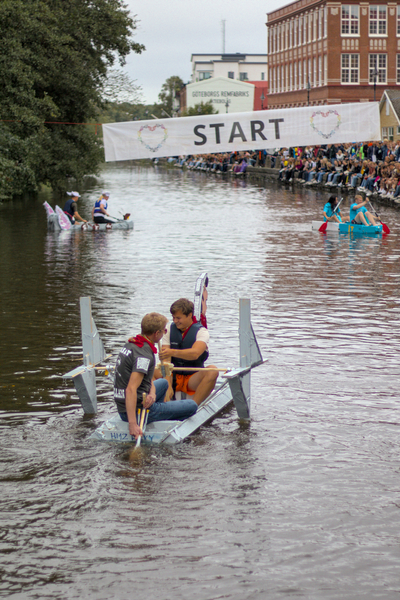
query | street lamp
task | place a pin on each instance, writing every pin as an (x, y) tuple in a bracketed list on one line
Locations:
[(308, 92), (227, 103), (375, 75), (176, 106), (262, 97)]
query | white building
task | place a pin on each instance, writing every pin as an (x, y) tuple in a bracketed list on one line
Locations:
[(226, 95), (244, 67)]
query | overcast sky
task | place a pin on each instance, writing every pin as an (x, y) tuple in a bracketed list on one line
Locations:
[(173, 30)]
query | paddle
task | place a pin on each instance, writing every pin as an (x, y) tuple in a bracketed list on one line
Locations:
[(142, 418), (170, 391), (385, 228), (324, 225)]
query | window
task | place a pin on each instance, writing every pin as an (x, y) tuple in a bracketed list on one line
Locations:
[(398, 20), (377, 20), (204, 75), (320, 23), (350, 68), (398, 130), (398, 69), (296, 24), (377, 68), (350, 19), (305, 30), (300, 30), (231, 74), (310, 27), (387, 133), (325, 22), (304, 74), (319, 70), (315, 25), (243, 76)]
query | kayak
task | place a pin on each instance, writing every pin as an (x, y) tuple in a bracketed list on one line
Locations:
[(57, 220), (232, 386), (360, 229)]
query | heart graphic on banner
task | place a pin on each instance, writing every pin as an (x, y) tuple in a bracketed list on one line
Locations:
[(325, 123), (153, 136)]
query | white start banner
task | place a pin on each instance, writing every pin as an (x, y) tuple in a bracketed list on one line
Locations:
[(281, 128)]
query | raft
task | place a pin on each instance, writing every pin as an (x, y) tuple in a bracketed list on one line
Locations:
[(232, 387), (351, 229)]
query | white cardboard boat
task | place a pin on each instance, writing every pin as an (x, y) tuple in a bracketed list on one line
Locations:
[(332, 226), (233, 386), (57, 220)]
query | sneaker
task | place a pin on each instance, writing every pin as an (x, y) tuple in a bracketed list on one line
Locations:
[(360, 189), (383, 193), (368, 193), (340, 184)]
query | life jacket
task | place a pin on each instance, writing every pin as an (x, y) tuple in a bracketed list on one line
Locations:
[(177, 343), (97, 210), (68, 210)]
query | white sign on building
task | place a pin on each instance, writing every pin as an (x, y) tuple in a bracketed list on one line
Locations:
[(226, 95)]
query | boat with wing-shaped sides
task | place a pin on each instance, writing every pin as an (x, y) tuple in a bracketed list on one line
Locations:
[(233, 386)]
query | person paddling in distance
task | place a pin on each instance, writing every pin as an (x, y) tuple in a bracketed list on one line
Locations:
[(359, 215), (185, 344), (134, 372), (99, 212), (332, 211), (71, 209)]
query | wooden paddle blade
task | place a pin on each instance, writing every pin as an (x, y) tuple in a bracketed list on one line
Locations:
[(323, 227), (385, 228)]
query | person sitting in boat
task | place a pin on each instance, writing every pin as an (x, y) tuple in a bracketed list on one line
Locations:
[(71, 209), (134, 372), (99, 212), (185, 344), (359, 215), (331, 213)]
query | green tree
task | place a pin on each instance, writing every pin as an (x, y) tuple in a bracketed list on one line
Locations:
[(55, 56), (204, 108), (170, 91)]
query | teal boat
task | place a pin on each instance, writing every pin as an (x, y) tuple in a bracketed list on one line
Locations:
[(351, 229)]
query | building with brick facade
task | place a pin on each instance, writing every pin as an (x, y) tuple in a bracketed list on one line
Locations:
[(325, 52)]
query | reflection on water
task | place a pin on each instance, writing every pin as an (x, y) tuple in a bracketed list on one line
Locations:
[(301, 502)]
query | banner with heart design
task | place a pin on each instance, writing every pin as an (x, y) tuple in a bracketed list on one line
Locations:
[(267, 129)]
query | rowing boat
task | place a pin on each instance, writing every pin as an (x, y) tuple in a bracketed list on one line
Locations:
[(233, 386), (57, 220)]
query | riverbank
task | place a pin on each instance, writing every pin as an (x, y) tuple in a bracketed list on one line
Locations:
[(269, 173)]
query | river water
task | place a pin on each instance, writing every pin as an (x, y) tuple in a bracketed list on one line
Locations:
[(303, 501)]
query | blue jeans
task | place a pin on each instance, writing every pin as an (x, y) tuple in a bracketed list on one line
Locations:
[(175, 410)]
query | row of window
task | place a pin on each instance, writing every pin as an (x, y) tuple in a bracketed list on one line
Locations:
[(377, 68), (308, 73), (313, 26), (231, 75), (377, 24), (298, 31)]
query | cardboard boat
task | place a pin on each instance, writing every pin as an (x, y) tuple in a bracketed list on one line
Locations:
[(233, 386), (57, 220), (350, 229)]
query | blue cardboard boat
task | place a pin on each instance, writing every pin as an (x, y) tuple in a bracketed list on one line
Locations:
[(351, 229)]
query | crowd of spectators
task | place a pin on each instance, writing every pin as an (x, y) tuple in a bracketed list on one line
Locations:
[(368, 167)]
